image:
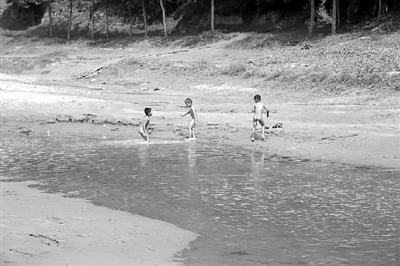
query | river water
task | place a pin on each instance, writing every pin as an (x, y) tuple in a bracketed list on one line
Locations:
[(250, 207)]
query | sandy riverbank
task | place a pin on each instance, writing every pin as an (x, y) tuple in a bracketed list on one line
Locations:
[(333, 129), (47, 229)]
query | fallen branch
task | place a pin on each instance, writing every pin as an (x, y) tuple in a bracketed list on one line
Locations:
[(339, 137), (45, 237), (92, 73)]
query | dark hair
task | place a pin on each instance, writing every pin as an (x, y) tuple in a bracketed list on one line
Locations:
[(147, 110), (257, 97), (188, 100)]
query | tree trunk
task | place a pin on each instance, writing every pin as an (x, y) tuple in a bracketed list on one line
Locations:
[(164, 19), (130, 19), (212, 16), (312, 18), (338, 12), (144, 17), (334, 14), (33, 16), (70, 19), (50, 20), (379, 9), (92, 7), (106, 8)]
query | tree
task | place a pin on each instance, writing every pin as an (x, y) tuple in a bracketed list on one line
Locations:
[(212, 16), (70, 19), (379, 10), (145, 18), (334, 14), (50, 19), (312, 18), (33, 16), (106, 9), (92, 11), (129, 4), (164, 19)]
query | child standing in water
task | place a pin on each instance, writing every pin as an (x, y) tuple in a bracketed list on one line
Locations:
[(193, 114), (143, 130), (258, 109)]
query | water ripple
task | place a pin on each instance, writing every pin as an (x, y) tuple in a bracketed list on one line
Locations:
[(251, 208)]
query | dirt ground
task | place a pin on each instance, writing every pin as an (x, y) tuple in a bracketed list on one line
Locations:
[(81, 91)]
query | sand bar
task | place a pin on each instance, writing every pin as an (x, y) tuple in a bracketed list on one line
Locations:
[(48, 229)]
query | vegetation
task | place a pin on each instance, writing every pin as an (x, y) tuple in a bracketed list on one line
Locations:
[(335, 64), (359, 58), (110, 16)]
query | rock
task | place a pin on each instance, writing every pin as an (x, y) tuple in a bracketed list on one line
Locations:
[(26, 132), (278, 125), (64, 118), (89, 118)]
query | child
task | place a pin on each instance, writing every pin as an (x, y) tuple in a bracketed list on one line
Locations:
[(193, 114), (258, 109), (143, 130)]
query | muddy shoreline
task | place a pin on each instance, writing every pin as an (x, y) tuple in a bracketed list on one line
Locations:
[(338, 132)]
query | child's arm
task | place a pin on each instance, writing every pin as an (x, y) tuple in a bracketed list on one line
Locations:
[(266, 110), (196, 119), (146, 124), (254, 108)]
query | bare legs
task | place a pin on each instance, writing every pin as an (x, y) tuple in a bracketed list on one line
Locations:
[(261, 121), (263, 129), (254, 130), (144, 135), (191, 130)]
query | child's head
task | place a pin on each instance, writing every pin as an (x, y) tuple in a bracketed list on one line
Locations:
[(147, 111), (257, 98), (188, 102)]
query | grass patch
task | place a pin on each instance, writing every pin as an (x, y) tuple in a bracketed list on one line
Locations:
[(254, 41), (18, 65), (50, 58), (233, 69), (334, 64), (122, 67)]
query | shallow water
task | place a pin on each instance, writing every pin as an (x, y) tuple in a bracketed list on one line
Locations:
[(250, 208)]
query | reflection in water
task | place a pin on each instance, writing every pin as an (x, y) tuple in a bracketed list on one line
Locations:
[(258, 169), (250, 208), (143, 154), (191, 157)]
